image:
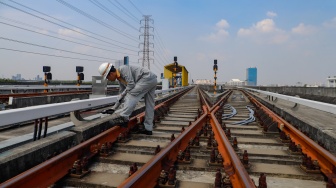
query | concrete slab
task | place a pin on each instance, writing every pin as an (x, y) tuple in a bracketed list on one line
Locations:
[(247, 132), (189, 184), (182, 115), (264, 150), (169, 128), (276, 182), (283, 171), (130, 157), (176, 123), (187, 111), (144, 143), (257, 140), (178, 119), (98, 179), (242, 127)]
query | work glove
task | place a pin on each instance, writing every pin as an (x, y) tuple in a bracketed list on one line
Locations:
[(108, 111), (119, 99)]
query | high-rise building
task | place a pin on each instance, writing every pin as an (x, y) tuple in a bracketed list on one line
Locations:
[(251, 76)]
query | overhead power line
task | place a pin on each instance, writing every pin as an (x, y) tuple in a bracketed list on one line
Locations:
[(37, 45), (108, 11), (37, 53), (97, 20), (56, 33), (62, 39), (129, 14), (76, 31), (135, 7)]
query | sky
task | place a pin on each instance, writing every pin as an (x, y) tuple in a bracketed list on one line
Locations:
[(289, 42)]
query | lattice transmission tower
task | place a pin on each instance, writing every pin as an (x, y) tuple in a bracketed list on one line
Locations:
[(146, 44)]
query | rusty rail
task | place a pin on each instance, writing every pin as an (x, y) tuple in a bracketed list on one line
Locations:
[(52, 170), (147, 176), (327, 161), (232, 164)]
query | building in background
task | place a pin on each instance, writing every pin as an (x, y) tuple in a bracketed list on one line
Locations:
[(251, 76), (203, 81), (235, 82), (17, 77), (331, 81)]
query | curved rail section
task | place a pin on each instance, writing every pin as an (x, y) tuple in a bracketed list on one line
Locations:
[(326, 160)]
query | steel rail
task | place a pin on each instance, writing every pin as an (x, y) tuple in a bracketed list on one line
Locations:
[(232, 164), (147, 176), (52, 170), (327, 161)]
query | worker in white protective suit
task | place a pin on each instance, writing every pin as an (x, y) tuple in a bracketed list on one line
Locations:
[(135, 82)]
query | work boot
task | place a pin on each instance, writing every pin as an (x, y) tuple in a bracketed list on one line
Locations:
[(146, 132), (120, 120)]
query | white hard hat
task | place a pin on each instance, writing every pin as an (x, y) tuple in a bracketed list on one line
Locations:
[(104, 69)]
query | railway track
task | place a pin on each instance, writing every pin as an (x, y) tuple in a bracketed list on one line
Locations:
[(234, 143), (123, 156), (263, 153)]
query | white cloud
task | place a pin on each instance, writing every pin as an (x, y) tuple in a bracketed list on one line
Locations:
[(222, 24), (271, 14), (68, 32), (220, 34), (331, 23), (303, 29), (265, 26), (264, 31)]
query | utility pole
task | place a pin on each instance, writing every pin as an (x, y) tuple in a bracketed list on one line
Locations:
[(145, 22), (215, 68), (175, 71)]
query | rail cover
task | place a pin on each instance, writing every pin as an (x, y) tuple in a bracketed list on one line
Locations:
[(331, 108), (8, 117)]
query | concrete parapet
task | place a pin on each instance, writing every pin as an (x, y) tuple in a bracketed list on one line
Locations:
[(18, 160), (320, 135), (322, 94)]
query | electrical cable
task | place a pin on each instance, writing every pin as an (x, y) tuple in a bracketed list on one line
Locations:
[(62, 39), (37, 53), (135, 7), (108, 11), (131, 15), (96, 20), (32, 26), (22, 42), (65, 23)]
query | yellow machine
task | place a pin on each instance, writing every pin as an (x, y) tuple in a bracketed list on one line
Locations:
[(169, 74)]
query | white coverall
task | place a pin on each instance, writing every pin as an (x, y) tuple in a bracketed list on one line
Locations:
[(138, 82)]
